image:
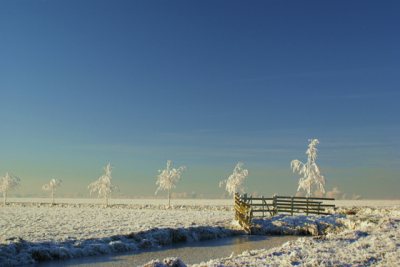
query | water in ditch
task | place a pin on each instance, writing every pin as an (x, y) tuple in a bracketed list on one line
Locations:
[(189, 253)]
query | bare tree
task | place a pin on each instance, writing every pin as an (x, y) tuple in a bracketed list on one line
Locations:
[(52, 186), (7, 183), (235, 180), (310, 170), (103, 185), (168, 179)]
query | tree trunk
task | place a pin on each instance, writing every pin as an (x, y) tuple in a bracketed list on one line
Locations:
[(169, 199), (107, 198), (52, 196)]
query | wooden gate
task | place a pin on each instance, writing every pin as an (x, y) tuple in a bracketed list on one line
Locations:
[(243, 213)]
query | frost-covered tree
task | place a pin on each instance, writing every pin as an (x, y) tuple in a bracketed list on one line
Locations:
[(103, 185), (168, 179), (54, 183), (335, 193), (7, 183), (310, 170), (235, 181)]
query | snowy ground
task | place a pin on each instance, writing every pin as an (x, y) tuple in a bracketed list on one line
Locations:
[(32, 232), (125, 201), (190, 202), (354, 236)]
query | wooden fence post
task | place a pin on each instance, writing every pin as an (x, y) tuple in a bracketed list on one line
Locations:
[(291, 213), (274, 203), (263, 206), (307, 207)]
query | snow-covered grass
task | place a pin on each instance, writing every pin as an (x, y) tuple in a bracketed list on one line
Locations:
[(355, 235)]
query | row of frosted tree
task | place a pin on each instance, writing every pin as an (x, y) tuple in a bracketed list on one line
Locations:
[(169, 178)]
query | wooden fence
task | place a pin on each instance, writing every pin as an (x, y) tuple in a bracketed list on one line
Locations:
[(243, 213), (279, 204), (302, 204), (246, 207)]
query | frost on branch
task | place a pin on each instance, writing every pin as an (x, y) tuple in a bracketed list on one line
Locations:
[(168, 179), (235, 181), (7, 183), (52, 186), (103, 185), (310, 170)]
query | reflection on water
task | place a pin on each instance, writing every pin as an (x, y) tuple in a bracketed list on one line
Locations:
[(189, 253)]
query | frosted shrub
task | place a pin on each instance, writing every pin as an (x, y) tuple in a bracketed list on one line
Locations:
[(235, 181), (7, 183), (168, 179), (103, 185), (52, 186), (310, 170)]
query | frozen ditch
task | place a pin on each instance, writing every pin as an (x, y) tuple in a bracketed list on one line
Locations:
[(190, 253)]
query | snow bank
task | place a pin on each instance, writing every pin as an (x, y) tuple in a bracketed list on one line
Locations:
[(353, 237), (298, 225)]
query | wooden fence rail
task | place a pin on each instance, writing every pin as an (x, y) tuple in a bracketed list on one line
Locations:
[(279, 204)]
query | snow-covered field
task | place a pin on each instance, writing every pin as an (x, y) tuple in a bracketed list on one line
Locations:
[(35, 232), (125, 201), (358, 235), (198, 202)]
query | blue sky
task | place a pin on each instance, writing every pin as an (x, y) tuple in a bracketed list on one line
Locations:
[(206, 84)]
